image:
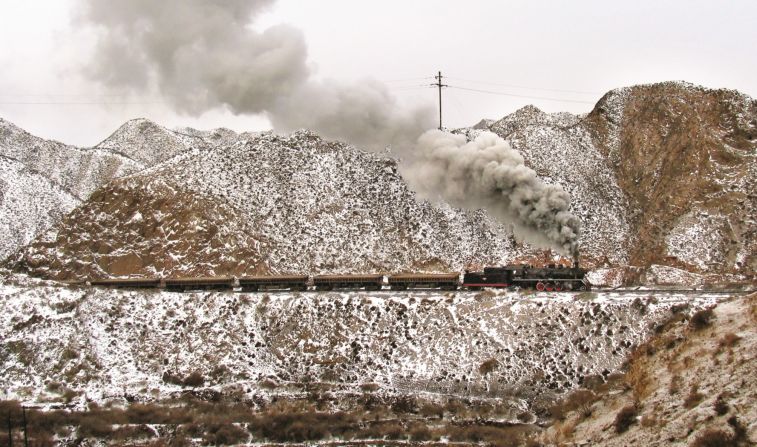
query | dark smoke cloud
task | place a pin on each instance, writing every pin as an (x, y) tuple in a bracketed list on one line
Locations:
[(203, 54), (488, 174)]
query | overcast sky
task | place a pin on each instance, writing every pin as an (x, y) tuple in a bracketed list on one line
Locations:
[(557, 55)]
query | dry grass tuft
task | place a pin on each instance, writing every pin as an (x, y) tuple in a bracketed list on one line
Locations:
[(625, 418)]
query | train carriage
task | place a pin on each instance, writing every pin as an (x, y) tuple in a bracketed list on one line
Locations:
[(127, 283), (202, 283), (280, 282), (444, 281), (331, 282)]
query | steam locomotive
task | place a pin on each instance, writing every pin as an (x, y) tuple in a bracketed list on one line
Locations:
[(549, 278)]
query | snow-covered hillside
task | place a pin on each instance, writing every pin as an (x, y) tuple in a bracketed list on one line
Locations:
[(562, 152), (29, 204), (315, 205), (113, 343)]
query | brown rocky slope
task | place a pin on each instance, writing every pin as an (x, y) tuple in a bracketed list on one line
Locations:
[(692, 384)]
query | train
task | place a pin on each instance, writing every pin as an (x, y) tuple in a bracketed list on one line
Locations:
[(547, 278)]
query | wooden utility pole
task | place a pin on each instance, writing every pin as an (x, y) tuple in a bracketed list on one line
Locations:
[(439, 84), (10, 430), (26, 438)]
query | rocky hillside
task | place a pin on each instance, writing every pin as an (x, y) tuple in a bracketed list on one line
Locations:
[(30, 203), (43, 179), (116, 343), (660, 174), (686, 158), (692, 384), (75, 170), (314, 205)]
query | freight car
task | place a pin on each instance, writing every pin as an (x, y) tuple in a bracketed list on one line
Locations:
[(444, 281), (282, 282), (331, 282), (127, 283), (209, 283)]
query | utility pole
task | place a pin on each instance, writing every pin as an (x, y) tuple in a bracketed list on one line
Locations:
[(10, 430), (439, 85), (26, 438)]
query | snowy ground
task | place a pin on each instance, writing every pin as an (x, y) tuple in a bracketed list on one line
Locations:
[(102, 344)]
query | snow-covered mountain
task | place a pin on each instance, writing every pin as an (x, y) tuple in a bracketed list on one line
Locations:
[(77, 171), (661, 174), (42, 180), (264, 203)]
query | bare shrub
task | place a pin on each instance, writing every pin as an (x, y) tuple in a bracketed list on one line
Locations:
[(224, 434), (94, 426), (694, 398), (404, 404), (701, 319), (369, 387), (713, 437), (268, 384), (295, 426), (432, 410), (728, 340), (720, 406), (488, 434), (140, 431), (194, 379), (420, 432), (625, 418), (169, 377), (488, 366), (581, 400), (675, 384)]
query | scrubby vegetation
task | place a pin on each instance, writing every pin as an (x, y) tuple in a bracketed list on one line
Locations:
[(193, 420)]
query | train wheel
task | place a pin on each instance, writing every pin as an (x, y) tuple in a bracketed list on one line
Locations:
[(549, 287), (558, 287), (540, 286)]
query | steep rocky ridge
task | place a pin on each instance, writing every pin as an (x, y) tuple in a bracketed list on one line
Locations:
[(77, 171), (685, 157), (149, 227), (660, 174), (46, 179)]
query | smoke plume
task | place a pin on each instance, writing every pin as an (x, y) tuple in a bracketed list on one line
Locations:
[(488, 174), (203, 54)]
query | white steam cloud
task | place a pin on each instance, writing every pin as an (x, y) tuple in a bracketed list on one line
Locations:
[(487, 173), (203, 54)]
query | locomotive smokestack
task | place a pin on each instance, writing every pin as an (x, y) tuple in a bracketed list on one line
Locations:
[(488, 174)]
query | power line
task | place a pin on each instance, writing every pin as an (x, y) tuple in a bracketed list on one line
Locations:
[(491, 92), (407, 79), (580, 92), (80, 103)]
